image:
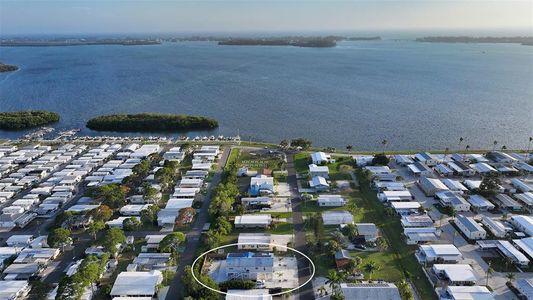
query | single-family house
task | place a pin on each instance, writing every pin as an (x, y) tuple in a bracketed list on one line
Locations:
[(430, 186), (370, 290), (367, 230), (451, 199), (331, 200), (522, 185), (506, 202), (474, 292), (420, 169), (315, 170), (319, 158), (261, 185), (523, 223), (393, 196), (137, 284), (319, 184), (254, 241), (253, 221), (497, 228), (526, 199), (427, 158), (470, 228), (337, 217), (438, 253), (416, 235), (455, 274), (248, 265)]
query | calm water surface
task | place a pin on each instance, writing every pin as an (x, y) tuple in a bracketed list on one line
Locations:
[(415, 95)]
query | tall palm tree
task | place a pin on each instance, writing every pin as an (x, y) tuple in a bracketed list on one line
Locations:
[(494, 145), (384, 144), (511, 276), (529, 146), (466, 150), (349, 148), (446, 150), (504, 148), (461, 139), (370, 267), (490, 271), (334, 279)]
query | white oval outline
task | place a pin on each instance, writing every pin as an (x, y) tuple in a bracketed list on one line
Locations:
[(250, 243)]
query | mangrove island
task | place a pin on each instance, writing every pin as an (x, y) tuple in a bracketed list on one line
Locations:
[(150, 122), (26, 119), (7, 68)]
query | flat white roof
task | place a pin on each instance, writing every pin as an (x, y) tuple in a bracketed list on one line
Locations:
[(315, 168), (526, 244), (457, 272), (136, 283), (469, 292), (405, 205), (254, 238), (253, 219), (253, 294), (82, 207), (10, 288), (440, 250)]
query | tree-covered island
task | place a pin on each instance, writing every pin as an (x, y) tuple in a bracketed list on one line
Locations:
[(26, 119), (7, 68), (150, 122)]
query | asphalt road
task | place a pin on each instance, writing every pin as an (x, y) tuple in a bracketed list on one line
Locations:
[(304, 267), (193, 236)]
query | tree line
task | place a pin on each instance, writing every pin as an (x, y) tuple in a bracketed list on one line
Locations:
[(26, 119), (150, 122)]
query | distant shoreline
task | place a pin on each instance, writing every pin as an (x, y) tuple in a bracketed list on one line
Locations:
[(523, 40), (297, 41), (69, 43)]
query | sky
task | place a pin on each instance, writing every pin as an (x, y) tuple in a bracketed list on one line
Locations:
[(18, 17)]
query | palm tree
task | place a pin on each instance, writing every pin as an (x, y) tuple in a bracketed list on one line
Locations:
[(529, 146), (334, 279), (461, 139), (466, 150), (349, 148), (384, 144), (508, 261), (511, 276), (504, 148), (494, 145), (446, 153), (370, 267), (490, 270)]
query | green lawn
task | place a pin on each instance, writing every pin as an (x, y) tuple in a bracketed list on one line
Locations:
[(278, 215), (401, 255), (388, 267), (303, 159), (282, 228), (255, 162)]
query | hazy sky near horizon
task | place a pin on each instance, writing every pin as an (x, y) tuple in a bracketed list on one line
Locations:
[(136, 16)]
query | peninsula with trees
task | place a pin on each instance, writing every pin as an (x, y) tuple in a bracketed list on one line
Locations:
[(26, 119), (314, 42), (150, 122), (30, 42), (7, 68), (523, 40)]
